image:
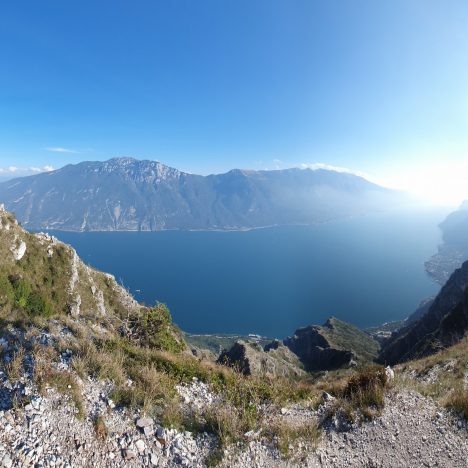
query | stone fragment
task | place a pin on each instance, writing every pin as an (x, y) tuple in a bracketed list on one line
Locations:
[(140, 445), (128, 454), (389, 373), (144, 422), (7, 462), (161, 435), (327, 397)]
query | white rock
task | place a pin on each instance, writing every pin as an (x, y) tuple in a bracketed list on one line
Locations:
[(18, 252), (7, 462), (140, 445), (389, 373), (144, 422)]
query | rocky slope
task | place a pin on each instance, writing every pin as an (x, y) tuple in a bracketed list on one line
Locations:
[(334, 345), (444, 324), (127, 194), (275, 359), (331, 346)]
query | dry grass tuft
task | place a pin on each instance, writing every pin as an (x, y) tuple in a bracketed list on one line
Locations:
[(14, 369), (100, 428), (362, 395), (295, 440), (458, 401), (46, 375)]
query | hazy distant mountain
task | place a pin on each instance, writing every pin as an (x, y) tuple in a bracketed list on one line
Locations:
[(128, 194), (454, 250)]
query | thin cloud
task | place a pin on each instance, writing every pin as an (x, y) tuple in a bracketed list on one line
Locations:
[(13, 171), (45, 168), (60, 149)]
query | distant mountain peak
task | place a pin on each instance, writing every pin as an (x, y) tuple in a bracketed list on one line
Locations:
[(125, 193)]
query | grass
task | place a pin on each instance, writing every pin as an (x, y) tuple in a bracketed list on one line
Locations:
[(440, 376), (65, 382), (360, 395), (246, 401), (14, 369), (346, 336), (295, 440), (457, 400)]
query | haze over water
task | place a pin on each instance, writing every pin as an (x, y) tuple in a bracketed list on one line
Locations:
[(366, 270)]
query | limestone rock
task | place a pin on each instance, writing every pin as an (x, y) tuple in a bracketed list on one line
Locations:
[(273, 360)]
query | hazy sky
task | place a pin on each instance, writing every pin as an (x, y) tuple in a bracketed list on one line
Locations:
[(375, 86)]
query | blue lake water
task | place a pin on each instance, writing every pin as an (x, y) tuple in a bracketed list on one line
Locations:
[(366, 270)]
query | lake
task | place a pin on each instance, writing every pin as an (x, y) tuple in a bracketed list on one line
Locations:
[(366, 270)]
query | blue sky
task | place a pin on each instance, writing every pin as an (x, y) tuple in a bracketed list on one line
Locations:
[(205, 86)]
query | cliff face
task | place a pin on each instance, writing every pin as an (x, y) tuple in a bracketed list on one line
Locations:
[(444, 324), (128, 194), (331, 346), (275, 360)]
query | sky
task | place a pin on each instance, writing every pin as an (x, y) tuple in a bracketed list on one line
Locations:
[(209, 85)]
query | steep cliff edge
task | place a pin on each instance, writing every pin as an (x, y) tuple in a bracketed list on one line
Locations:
[(275, 359), (42, 278), (444, 324)]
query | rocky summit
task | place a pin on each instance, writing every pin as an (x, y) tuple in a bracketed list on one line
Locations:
[(89, 377), (131, 195)]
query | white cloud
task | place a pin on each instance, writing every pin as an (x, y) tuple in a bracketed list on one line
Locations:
[(8, 170), (45, 168), (13, 171), (60, 149)]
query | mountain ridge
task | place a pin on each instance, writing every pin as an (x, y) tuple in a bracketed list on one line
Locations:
[(130, 194)]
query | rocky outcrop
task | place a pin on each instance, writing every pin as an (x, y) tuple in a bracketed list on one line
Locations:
[(334, 345), (251, 359), (444, 324)]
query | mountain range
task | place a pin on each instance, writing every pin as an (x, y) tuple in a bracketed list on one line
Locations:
[(129, 194)]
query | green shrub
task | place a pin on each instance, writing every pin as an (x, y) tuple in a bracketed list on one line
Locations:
[(7, 293), (35, 305), (22, 291), (30, 301), (153, 327)]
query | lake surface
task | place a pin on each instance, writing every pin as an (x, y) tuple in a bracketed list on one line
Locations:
[(366, 270)]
